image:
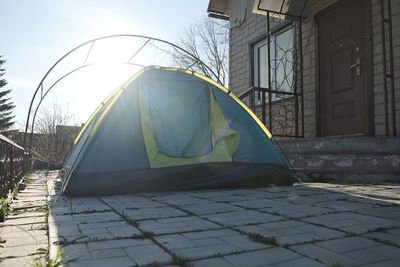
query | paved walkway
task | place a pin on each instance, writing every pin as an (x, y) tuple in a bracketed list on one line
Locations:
[(303, 225), (25, 229)]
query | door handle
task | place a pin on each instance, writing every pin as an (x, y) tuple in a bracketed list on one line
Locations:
[(357, 66)]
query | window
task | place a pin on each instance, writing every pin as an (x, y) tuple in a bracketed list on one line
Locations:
[(282, 63)]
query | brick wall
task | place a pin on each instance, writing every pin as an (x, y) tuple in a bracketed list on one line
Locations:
[(378, 66), (247, 28)]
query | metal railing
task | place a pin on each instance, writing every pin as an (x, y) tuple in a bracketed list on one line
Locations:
[(279, 103), (278, 110), (388, 66), (12, 164)]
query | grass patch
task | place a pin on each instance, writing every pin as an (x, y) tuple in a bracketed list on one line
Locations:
[(85, 212), (143, 235), (46, 210), (58, 260), (127, 219), (4, 209), (316, 178), (378, 229), (181, 261), (256, 237), (2, 241)]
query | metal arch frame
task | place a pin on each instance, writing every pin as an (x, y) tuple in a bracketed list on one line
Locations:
[(40, 86)]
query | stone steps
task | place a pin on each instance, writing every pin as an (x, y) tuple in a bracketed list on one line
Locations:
[(357, 160)]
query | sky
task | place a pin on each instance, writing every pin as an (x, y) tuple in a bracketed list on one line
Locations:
[(36, 33)]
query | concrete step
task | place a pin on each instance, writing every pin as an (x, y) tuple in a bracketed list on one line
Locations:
[(344, 160), (361, 176), (359, 144), (348, 160)]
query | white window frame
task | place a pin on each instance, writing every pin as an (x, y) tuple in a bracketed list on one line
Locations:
[(256, 66)]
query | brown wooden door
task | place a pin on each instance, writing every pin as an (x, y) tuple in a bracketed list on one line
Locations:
[(342, 69)]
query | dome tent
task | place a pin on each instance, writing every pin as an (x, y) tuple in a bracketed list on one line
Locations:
[(171, 129)]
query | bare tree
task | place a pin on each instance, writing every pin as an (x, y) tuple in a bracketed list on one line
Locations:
[(55, 130), (207, 40)]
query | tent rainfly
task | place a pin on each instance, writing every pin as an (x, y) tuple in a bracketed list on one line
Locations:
[(172, 129)]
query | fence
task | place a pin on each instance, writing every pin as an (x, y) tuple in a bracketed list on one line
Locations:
[(12, 164)]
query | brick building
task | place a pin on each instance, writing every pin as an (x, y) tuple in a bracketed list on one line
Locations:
[(320, 71)]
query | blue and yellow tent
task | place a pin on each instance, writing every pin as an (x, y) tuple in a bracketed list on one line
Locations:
[(172, 129)]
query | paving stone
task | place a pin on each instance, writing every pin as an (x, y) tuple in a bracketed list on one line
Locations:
[(392, 213), (182, 200), (242, 217), (177, 225), (351, 222), (233, 198), (108, 253), (76, 252), (175, 241), (64, 230), (292, 232), (38, 240), (24, 221), (97, 233), (392, 235), (208, 194), (342, 205), (197, 238), (90, 207), (390, 252), (18, 261), (348, 244), (201, 209), (208, 243), (57, 219), (120, 203), (120, 261), (83, 226), (15, 231), (220, 262), (96, 217), (297, 211), (366, 257), (390, 263), (205, 251), (302, 262), (277, 189), (119, 243), (316, 198), (324, 255), (26, 215), (20, 251), (261, 257), (24, 230), (259, 203), (154, 213), (147, 254), (119, 231)]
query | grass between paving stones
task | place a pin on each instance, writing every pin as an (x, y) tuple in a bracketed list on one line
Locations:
[(4, 209), (126, 218), (176, 259), (4, 205), (181, 261), (85, 212), (151, 264), (316, 178), (378, 229), (256, 237), (58, 260)]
